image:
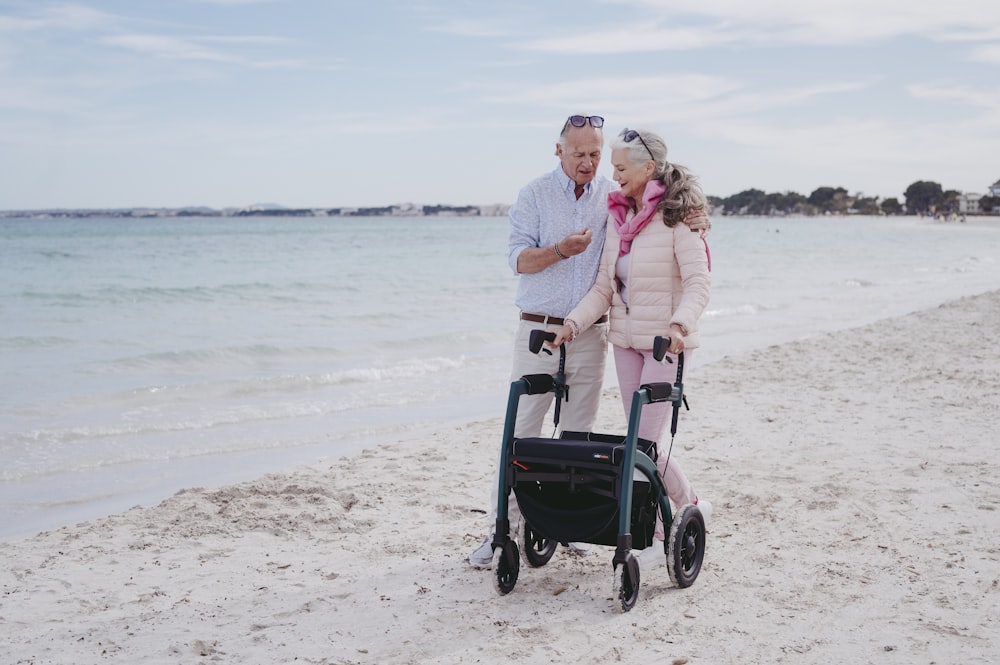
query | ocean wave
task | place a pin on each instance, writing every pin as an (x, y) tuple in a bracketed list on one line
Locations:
[(298, 293), (55, 254), (226, 429), (423, 356), (407, 372), (747, 309), (247, 403), (251, 354), (23, 342), (125, 455)]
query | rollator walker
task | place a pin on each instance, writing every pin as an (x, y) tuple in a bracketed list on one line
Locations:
[(593, 488)]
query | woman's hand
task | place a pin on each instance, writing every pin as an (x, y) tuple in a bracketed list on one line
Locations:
[(564, 334), (676, 339)]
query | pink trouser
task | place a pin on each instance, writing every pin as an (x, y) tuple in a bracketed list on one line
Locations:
[(635, 368)]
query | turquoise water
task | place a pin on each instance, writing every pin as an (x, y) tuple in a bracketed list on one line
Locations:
[(143, 356)]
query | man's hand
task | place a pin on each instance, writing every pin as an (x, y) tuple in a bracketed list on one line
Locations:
[(576, 243), (700, 223), (536, 259)]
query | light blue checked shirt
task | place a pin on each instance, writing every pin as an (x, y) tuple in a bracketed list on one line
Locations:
[(546, 211)]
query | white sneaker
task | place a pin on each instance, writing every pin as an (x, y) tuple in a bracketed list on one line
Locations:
[(652, 556), (706, 510), (482, 557), (579, 549)]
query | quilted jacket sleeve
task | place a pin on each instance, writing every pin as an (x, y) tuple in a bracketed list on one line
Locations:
[(691, 252), (597, 301)]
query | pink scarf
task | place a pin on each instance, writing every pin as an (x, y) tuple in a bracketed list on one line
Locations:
[(619, 205)]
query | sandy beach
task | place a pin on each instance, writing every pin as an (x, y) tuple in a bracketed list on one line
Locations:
[(857, 519)]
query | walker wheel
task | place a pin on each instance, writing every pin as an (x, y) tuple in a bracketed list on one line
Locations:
[(686, 547), (537, 549), (628, 588), (508, 565)]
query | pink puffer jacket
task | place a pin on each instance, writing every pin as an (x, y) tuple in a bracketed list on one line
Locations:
[(668, 282)]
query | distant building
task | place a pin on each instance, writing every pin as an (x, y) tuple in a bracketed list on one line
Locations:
[(969, 202), (405, 210), (495, 210), (994, 189)]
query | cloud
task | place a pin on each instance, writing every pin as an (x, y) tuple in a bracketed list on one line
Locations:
[(232, 3), (988, 98), (474, 28), (691, 97), (39, 97), (838, 16), (171, 48), (571, 92), (629, 40), (876, 155), (989, 54), (13, 24), (205, 49), (63, 17), (712, 23)]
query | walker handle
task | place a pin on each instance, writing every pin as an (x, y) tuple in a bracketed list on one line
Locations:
[(539, 337), (660, 347)]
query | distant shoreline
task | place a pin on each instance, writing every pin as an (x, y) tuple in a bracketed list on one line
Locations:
[(403, 210)]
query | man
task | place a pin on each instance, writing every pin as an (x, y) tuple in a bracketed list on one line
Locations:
[(557, 229)]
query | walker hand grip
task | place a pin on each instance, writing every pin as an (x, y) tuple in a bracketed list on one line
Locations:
[(539, 337), (539, 384), (660, 347)]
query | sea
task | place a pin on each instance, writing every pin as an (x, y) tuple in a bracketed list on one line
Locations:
[(139, 357)]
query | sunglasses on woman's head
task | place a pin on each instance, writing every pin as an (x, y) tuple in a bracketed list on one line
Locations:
[(630, 135), (596, 121)]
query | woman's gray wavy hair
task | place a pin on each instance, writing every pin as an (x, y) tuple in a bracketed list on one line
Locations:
[(684, 195)]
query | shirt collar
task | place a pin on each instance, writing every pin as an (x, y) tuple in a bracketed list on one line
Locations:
[(568, 184)]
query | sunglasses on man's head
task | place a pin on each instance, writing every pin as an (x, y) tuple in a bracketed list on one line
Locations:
[(630, 135), (596, 121)]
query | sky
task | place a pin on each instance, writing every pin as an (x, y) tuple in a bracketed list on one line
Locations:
[(324, 103)]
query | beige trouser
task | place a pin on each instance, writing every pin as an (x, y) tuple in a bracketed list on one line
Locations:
[(585, 359)]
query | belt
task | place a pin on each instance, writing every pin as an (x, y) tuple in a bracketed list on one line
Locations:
[(553, 320)]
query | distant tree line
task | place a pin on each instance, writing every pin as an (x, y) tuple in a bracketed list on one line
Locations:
[(922, 197)]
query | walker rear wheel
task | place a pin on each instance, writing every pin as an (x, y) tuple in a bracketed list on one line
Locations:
[(686, 547), (537, 549)]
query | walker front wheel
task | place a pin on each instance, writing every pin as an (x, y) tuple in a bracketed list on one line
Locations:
[(508, 565), (628, 587)]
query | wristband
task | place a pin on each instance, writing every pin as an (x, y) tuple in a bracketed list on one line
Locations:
[(574, 327)]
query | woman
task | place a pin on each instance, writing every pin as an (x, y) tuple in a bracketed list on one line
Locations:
[(654, 276)]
